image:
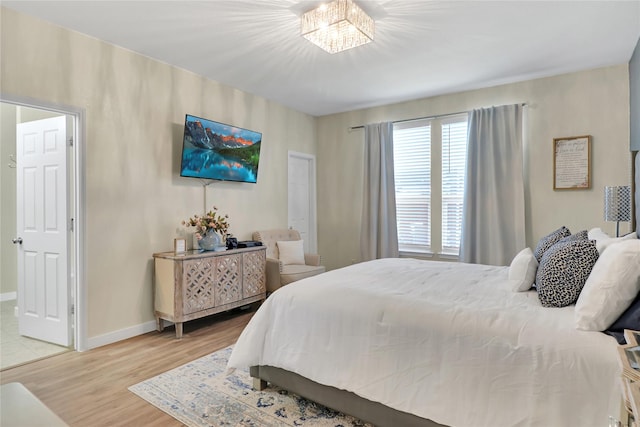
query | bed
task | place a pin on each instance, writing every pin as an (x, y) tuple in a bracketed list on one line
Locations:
[(405, 342)]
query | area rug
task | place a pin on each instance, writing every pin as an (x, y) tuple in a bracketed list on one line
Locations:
[(201, 393)]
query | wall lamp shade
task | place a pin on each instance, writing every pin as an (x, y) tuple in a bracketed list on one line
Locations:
[(617, 205), (337, 26)]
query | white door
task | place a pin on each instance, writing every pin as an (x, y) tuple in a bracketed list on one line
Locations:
[(43, 290), (302, 198)]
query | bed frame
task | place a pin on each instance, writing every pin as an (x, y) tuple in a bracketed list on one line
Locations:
[(366, 410), (339, 400)]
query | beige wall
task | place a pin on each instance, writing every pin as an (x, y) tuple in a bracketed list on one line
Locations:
[(135, 198), (7, 199), (592, 103)]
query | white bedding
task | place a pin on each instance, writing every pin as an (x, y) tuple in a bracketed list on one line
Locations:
[(450, 342)]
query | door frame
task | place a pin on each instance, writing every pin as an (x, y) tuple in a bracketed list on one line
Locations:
[(76, 274), (313, 229)]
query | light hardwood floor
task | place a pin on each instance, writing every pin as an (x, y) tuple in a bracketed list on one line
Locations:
[(90, 388)]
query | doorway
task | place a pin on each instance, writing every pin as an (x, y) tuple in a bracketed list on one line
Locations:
[(302, 198), (19, 307)]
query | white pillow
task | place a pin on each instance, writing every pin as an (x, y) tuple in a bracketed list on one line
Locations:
[(522, 271), (291, 251), (603, 240), (611, 287), (597, 234)]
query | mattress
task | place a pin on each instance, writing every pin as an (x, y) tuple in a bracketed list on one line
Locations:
[(449, 342)]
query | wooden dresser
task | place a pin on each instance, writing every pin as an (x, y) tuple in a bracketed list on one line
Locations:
[(196, 284), (630, 381)]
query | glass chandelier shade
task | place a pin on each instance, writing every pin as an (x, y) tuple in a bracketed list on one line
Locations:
[(337, 26)]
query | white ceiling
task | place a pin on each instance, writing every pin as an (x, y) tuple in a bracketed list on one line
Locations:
[(422, 48)]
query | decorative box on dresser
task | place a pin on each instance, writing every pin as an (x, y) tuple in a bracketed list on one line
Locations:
[(195, 284)]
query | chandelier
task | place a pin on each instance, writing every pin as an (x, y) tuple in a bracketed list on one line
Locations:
[(337, 26)]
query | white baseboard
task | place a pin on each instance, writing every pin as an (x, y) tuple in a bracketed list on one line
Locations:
[(121, 334), (111, 337), (8, 296)]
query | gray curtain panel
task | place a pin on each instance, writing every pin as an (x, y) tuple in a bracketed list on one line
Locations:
[(379, 233), (493, 219)]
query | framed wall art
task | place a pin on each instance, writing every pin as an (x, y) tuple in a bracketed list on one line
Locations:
[(572, 163)]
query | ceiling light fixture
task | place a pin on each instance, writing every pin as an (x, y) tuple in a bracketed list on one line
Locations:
[(337, 26)]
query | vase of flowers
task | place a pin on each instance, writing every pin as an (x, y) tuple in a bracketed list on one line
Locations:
[(210, 241), (210, 229)]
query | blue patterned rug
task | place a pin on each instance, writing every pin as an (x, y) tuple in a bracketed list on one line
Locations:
[(201, 394)]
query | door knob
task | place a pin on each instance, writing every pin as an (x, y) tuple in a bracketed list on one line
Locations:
[(17, 241)]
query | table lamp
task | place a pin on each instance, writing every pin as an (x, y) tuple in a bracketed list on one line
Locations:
[(617, 205)]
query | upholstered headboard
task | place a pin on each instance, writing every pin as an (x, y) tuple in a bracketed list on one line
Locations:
[(636, 190)]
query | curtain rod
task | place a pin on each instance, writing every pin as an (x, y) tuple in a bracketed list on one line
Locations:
[(438, 116)]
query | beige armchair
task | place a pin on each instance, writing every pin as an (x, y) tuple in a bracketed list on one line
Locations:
[(281, 273)]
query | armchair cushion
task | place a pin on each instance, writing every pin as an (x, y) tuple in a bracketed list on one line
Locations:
[(291, 252), (292, 273)]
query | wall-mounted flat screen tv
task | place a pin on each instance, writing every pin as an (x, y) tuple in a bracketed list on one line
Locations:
[(212, 150)]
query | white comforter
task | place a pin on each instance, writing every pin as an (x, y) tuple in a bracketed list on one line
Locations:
[(445, 341)]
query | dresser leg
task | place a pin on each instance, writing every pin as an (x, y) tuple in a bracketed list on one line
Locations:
[(178, 329), (159, 324)]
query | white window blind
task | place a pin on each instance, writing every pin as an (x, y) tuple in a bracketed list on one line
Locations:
[(454, 156), (412, 171), (420, 148)]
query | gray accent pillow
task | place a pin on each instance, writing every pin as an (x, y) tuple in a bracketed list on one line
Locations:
[(563, 271), (549, 240)]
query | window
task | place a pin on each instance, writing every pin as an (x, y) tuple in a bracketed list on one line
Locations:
[(429, 163), (454, 162)]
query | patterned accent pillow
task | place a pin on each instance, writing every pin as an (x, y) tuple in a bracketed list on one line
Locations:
[(549, 240), (580, 235), (563, 271)]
